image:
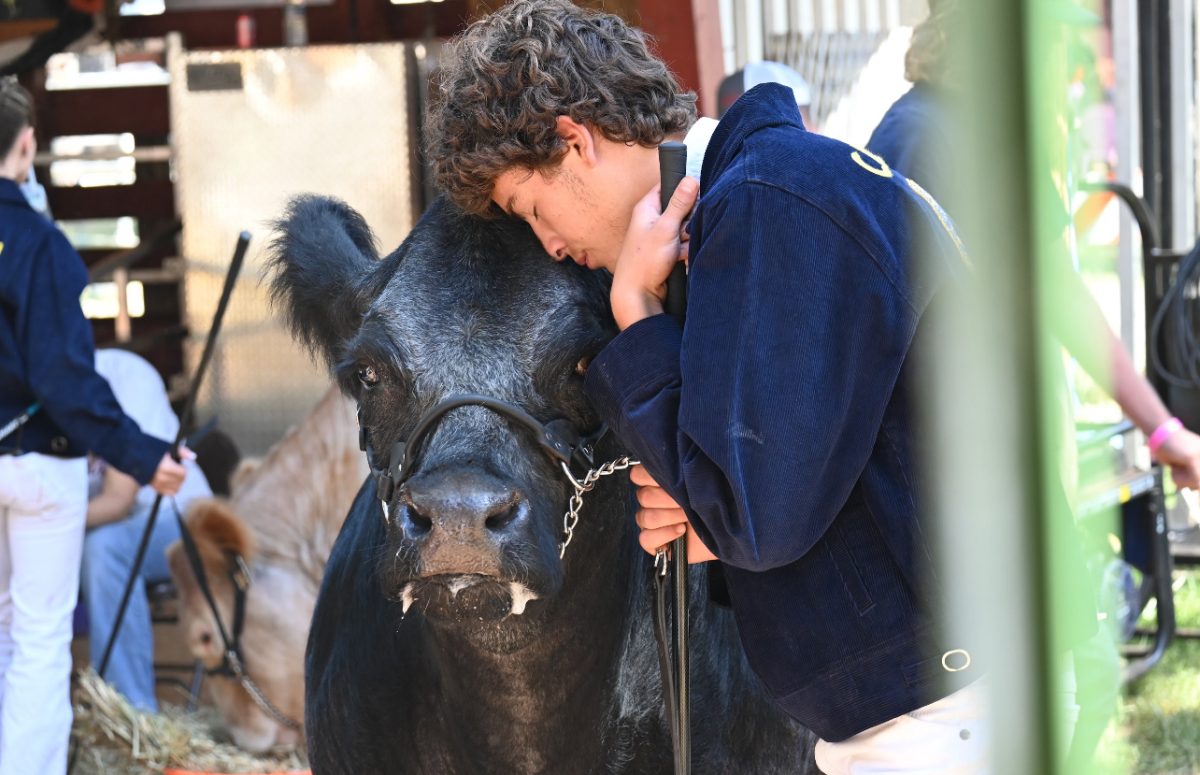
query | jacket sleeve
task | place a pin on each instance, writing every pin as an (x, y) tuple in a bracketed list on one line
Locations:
[(56, 343), (761, 415)]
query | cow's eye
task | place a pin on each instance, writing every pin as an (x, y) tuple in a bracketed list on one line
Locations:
[(582, 367), (368, 376)]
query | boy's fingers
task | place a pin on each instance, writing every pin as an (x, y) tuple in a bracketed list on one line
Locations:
[(653, 540), (655, 498), (641, 477), (681, 203), (646, 210), (653, 519)]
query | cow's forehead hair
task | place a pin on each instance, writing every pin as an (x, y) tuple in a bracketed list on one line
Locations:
[(480, 325)]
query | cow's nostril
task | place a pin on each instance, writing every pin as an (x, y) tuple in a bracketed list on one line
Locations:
[(419, 524), (501, 519), (206, 638)]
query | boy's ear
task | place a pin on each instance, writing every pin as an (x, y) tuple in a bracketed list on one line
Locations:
[(28, 150), (24, 148), (578, 138), (28, 142)]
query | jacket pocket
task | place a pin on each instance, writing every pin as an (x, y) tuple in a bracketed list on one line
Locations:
[(841, 555)]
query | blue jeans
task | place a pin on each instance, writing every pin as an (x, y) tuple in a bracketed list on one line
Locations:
[(108, 554)]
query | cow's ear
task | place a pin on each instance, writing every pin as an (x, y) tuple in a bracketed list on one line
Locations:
[(321, 259), (218, 531)]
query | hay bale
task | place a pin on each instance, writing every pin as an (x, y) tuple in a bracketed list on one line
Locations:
[(115, 738)]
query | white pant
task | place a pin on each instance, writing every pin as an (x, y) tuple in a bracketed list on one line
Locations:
[(947, 737), (43, 504)]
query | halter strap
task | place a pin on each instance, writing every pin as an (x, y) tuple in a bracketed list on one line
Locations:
[(557, 438)]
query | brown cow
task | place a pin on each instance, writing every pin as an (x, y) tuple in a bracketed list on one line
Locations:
[(282, 518)]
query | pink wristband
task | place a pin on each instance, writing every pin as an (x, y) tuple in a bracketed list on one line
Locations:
[(1162, 433)]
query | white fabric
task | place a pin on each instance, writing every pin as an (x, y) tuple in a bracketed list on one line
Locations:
[(143, 396), (35, 193), (43, 503), (947, 737), (697, 143), (756, 73), (139, 390)]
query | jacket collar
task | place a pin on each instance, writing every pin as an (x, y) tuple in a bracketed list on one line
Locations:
[(766, 105), (10, 194)]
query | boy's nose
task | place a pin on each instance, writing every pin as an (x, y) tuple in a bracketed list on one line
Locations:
[(551, 243)]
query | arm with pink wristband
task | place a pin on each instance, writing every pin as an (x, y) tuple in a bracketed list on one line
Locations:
[(1174, 445), (1162, 433)]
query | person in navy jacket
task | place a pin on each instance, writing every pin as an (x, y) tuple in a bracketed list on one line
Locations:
[(54, 409), (780, 415)]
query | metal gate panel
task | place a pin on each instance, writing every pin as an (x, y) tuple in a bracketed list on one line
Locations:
[(829, 42), (250, 129)]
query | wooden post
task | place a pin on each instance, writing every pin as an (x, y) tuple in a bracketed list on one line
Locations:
[(687, 34)]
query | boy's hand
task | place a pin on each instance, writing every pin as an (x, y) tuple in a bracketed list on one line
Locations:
[(653, 245), (662, 520), (169, 475), (1181, 451)]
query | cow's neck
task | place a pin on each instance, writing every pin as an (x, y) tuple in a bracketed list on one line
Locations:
[(524, 709)]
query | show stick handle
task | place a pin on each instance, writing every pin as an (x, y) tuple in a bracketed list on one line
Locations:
[(672, 168), (231, 276)]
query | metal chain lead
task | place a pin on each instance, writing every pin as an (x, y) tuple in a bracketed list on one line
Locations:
[(571, 518), (256, 693)]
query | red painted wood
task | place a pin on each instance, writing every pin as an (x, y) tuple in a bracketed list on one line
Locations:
[(671, 24), (137, 109), (144, 199), (345, 21)]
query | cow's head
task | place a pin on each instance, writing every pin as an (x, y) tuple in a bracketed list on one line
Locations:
[(465, 305), (272, 641), (221, 539)]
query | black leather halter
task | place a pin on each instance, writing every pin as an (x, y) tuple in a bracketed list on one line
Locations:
[(557, 438), (232, 663)]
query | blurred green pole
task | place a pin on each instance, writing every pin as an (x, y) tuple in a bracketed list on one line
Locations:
[(1056, 39), (992, 468), (1011, 564)]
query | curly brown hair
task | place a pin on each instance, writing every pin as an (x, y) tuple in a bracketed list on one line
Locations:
[(927, 56), (503, 83)]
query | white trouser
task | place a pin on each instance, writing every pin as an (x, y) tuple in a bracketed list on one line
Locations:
[(43, 505), (947, 737)]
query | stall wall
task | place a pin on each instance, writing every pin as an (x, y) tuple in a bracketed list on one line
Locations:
[(250, 129)]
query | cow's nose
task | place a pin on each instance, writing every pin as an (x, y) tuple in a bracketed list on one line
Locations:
[(459, 501)]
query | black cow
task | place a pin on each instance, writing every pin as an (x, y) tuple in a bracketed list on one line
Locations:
[(448, 636)]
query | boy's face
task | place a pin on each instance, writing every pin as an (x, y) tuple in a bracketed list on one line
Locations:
[(581, 209)]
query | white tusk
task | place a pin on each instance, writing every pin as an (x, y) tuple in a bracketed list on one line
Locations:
[(521, 595)]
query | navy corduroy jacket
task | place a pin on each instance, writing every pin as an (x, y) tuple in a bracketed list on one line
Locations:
[(913, 137), (779, 416), (46, 350)]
